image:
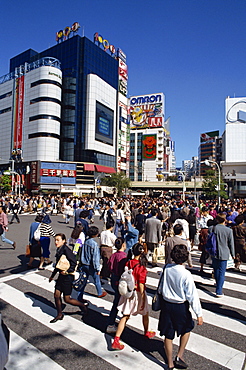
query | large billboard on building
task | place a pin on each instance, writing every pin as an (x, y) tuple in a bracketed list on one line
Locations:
[(149, 147), (209, 136), (147, 111), (18, 113)]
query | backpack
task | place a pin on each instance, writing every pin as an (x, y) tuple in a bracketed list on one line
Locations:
[(126, 285), (37, 233), (211, 245)]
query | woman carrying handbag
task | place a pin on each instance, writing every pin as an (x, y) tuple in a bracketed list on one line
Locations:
[(65, 265)]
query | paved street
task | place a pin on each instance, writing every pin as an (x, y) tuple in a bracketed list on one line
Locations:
[(27, 306)]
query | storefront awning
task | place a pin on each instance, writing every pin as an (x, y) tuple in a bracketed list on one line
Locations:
[(89, 167), (105, 169)]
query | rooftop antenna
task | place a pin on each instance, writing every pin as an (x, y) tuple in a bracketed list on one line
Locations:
[(83, 31)]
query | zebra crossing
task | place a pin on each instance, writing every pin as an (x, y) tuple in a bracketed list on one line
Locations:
[(27, 308)]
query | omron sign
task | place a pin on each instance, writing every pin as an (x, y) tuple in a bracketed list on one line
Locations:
[(146, 99)]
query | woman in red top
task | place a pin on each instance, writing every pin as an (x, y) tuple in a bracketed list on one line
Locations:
[(138, 303)]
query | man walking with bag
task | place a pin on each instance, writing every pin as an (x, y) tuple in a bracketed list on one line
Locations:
[(225, 248)]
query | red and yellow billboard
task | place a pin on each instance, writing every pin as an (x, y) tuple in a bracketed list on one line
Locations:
[(149, 147)]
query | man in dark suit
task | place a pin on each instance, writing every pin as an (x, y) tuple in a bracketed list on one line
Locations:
[(153, 233)]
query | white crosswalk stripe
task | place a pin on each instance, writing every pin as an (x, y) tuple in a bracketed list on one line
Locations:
[(219, 352)]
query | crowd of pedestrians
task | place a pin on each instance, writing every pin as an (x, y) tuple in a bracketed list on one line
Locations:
[(132, 232)]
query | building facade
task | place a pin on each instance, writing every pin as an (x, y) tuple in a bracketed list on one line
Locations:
[(151, 149), (234, 146), (71, 110)]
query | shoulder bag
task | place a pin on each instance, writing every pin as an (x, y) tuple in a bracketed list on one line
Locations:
[(156, 301)]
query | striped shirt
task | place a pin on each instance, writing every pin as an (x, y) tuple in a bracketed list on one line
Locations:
[(46, 230)]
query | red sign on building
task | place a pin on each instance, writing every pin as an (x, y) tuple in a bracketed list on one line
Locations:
[(53, 172)]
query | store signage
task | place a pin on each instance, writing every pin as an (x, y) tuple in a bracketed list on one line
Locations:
[(146, 99), (34, 172), (57, 172), (63, 35), (104, 43)]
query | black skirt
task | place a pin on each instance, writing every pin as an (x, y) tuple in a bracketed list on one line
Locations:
[(175, 317), (35, 249)]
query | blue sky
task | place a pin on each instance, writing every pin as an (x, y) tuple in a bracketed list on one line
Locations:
[(191, 50)]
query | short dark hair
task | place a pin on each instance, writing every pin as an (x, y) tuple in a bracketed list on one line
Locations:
[(93, 231), (118, 243), (204, 209), (177, 229), (153, 211), (239, 219), (109, 224), (221, 217), (83, 214), (63, 236), (179, 253)]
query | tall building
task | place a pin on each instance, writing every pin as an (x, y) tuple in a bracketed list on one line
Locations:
[(209, 148), (234, 146), (67, 103), (150, 144)]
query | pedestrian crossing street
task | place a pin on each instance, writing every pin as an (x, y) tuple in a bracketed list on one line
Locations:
[(27, 308)]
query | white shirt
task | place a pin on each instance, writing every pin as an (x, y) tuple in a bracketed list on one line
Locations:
[(202, 222), (107, 238), (120, 215), (179, 286)]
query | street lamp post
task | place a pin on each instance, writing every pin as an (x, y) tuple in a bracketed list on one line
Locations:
[(183, 179), (209, 163)]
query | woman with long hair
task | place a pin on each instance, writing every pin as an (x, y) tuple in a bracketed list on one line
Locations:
[(65, 279), (137, 303)]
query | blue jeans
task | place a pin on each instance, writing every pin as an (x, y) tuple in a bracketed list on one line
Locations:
[(219, 267), (89, 270), (114, 310), (45, 244), (119, 226), (5, 240)]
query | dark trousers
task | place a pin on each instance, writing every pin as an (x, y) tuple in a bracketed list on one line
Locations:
[(106, 253), (114, 310), (15, 216)]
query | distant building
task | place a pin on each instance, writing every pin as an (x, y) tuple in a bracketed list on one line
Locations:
[(234, 146), (190, 167), (210, 148)]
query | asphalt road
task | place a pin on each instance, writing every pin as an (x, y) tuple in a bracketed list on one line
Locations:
[(27, 305)]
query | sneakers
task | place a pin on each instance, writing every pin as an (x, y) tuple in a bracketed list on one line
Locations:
[(117, 345), (180, 364), (149, 334), (111, 329), (219, 295), (102, 295)]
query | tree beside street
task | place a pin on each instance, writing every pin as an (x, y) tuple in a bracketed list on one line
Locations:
[(210, 185), (117, 180), (5, 183)]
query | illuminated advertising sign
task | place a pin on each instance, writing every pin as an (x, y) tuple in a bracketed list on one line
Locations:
[(149, 147), (18, 113), (104, 43), (104, 124), (209, 136), (63, 35), (121, 55), (147, 111)]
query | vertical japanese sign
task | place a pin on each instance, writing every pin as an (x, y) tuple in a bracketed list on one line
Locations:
[(18, 112)]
